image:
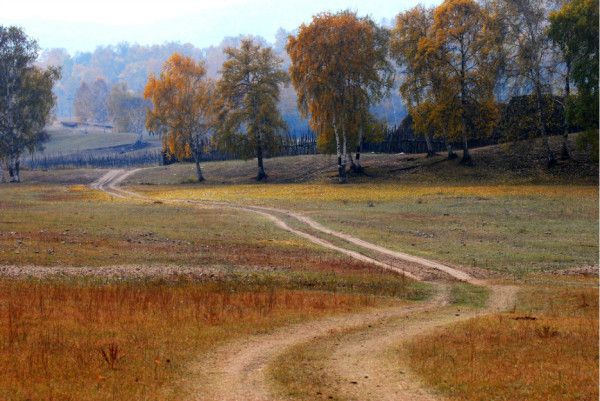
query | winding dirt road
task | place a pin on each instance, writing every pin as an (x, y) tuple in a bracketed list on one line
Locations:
[(359, 364)]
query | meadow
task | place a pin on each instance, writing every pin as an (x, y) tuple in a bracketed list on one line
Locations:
[(106, 299), (85, 139), (545, 348), (513, 229), (103, 298), (73, 340)]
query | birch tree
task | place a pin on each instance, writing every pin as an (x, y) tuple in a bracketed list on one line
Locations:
[(249, 89), (83, 104), (574, 28), (26, 98), (420, 84), (338, 67), (182, 107), (127, 110), (463, 46), (532, 56)]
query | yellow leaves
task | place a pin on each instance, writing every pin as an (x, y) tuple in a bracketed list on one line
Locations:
[(450, 73), (339, 67), (182, 110)]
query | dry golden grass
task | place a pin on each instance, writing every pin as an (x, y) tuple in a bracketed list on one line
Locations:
[(547, 349), (132, 341), (378, 192), (517, 229), (54, 225)]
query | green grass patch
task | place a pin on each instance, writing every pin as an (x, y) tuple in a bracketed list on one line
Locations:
[(469, 295)]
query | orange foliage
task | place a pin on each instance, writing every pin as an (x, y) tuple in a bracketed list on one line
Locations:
[(450, 56), (182, 106), (339, 67)]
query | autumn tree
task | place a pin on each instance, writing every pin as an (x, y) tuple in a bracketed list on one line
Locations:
[(420, 83), (434, 108), (532, 56), (339, 67), (183, 110), (83, 103), (26, 98), (250, 122), (127, 111), (574, 28), (461, 52)]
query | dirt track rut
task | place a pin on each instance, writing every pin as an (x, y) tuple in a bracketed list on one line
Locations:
[(239, 370)]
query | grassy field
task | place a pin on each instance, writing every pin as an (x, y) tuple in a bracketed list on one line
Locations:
[(546, 349), (124, 341), (74, 140), (64, 176), (151, 287), (108, 299), (504, 228), (508, 214), (58, 226)]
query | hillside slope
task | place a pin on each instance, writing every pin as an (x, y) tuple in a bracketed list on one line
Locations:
[(519, 163)]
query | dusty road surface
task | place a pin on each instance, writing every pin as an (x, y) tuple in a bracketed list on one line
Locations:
[(358, 349)]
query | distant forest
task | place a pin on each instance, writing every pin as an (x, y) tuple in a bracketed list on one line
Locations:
[(131, 64)]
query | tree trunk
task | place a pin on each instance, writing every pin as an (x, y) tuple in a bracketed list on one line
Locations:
[(356, 166), (11, 173), (14, 168), (351, 161), (340, 156), (344, 156), (199, 171), (196, 148), (259, 157), (199, 175), (466, 158), (430, 151), (542, 124), (451, 154), (564, 153), (17, 170)]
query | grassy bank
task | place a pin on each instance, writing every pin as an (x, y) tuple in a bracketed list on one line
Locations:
[(54, 225)]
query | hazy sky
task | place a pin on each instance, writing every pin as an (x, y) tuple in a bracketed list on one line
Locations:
[(82, 25)]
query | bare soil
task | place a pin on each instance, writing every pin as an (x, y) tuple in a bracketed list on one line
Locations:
[(240, 370)]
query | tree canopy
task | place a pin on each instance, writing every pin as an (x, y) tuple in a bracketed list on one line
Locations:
[(249, 88), (339, 67), (26, 98), (182, 107), (127, 110), (574, 28)]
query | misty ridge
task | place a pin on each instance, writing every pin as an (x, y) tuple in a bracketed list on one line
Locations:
[(131, 64)]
